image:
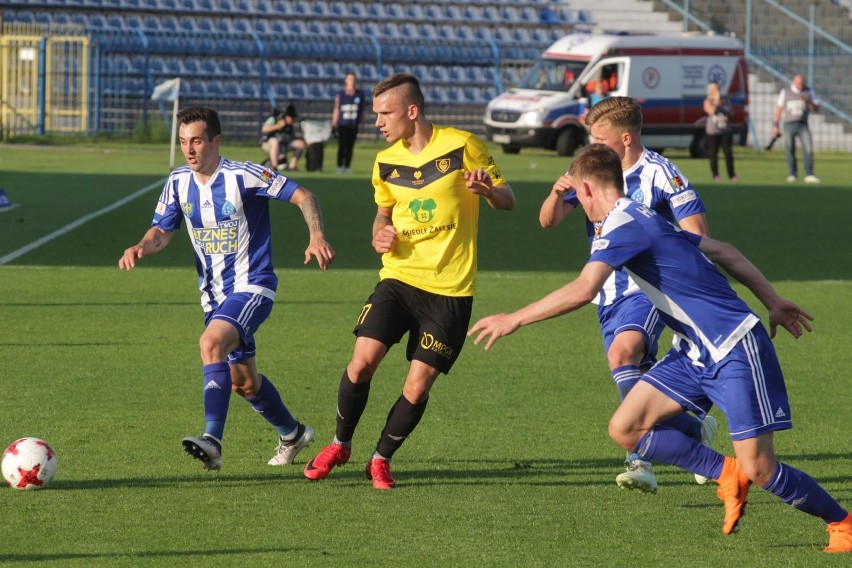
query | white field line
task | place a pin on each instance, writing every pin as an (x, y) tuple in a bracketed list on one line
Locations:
[(81, 221)]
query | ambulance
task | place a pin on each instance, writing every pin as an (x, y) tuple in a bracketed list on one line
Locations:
[(666, 74)]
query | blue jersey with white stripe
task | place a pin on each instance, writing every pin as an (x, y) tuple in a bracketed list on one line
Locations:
[(228, 224), (693, 297), (658, 184)]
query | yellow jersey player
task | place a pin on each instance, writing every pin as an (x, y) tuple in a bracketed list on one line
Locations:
[(428, 185)]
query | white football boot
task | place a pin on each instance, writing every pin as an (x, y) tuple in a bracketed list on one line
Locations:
[(206, 449), (709, 429), (639, 476), (286, 451)]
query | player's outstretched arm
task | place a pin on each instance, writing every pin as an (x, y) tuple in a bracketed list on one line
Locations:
[(570, 297), (155, 240), (782, 312), (554, 209), (317, 247), (498, 197)]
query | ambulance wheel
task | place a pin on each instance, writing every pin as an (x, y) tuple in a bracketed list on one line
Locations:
[(698, 148), (567, 141), (509, 149)]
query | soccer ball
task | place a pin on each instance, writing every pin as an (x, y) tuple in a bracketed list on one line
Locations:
[(29, 463)]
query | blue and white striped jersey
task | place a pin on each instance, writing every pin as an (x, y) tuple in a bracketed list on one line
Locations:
[(658, 184), (228, 224), (693, 297)]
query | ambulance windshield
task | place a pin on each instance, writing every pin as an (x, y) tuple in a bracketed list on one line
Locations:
[(553, 75)]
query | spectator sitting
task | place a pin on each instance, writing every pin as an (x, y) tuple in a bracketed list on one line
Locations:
[(279, 137), (598, 95)]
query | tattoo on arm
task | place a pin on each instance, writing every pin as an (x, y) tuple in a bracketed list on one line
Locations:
[(312, 213), (156, 240)]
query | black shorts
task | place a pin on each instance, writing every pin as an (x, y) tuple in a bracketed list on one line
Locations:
[(436, 325)]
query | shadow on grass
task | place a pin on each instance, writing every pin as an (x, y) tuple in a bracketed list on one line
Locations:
[(205, 553)]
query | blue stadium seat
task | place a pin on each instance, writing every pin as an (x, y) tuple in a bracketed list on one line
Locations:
[(352, 28), (223, 25), (433, 13), (175, 67), (278, 27), (394, 11), (427, 31), (332, 70), (509, 15), (472, 13), (169, 23), (282, 7), (297, 27), (207, 66), (491, 14), (371, 28), (249, 90), (204, 7), (298, 69), (376, 11), (357, 10), (464, 32), (337, 9), (301, 8), (192, 66)]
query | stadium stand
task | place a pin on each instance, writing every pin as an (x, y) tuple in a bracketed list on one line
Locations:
[(239, 52)]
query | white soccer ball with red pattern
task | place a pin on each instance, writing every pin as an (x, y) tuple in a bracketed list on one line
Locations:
[(29, 463)]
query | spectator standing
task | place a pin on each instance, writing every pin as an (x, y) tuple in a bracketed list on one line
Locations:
[(794, 105), (346, 119), (719, 114)]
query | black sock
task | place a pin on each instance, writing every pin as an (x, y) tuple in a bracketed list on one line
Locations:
[(351, 402), (402, 420)]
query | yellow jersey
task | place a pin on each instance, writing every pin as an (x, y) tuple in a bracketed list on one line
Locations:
[(436, 216)]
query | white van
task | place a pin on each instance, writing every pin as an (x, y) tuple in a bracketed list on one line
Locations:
[(666, 74)]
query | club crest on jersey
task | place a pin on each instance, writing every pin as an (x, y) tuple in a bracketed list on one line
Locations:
[(266, 176), (638, 196), (676, 183), (443, 165), (187, 209), (423, 210), (418, 178), (228, 209)]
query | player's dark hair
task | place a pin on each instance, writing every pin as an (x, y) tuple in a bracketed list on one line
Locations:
[(621, 112), (600, 163), (411, 95), (208, 116)]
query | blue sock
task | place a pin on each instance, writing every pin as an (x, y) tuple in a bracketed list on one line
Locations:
[(797, 488), (268, 403), (625, 377), (217, 395), (673, 447)]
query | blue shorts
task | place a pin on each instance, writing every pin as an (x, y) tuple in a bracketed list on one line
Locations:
[(747, 385), (633, 312), (244, 311)]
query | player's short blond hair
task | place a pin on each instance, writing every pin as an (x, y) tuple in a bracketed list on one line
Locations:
[(622, 113)]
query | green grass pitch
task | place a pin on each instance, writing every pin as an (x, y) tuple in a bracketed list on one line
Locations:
[(511, 465)]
